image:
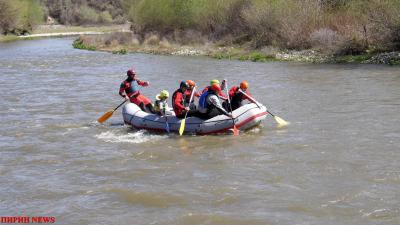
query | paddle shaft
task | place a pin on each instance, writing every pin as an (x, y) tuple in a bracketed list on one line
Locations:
[(125, 101), (182, 128), (229, 100), (190, 100), (120, 105), (166, 121), (252, 99)]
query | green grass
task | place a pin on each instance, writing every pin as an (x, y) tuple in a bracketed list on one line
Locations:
[(7, 38), (394, 62), (243, 55), (260, 57), (64, 29), (353, 58), (120, 52), (78, 44)]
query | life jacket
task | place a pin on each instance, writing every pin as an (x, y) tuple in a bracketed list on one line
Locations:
[(203, 103), (160, 105), (177, 110), (237, 96), (131, 87)]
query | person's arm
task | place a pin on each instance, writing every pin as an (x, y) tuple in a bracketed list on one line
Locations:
[(216, 102), (122, 91), (245, 97), (223, 96), (142, 83), (223, 84)]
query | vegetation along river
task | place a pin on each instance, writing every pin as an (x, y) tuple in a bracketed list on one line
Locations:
[(336, 163)]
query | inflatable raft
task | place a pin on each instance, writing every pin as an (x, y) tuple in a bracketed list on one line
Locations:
[(245, 117)]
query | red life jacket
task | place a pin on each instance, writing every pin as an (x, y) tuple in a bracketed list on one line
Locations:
[(131, 88), (178, 102)]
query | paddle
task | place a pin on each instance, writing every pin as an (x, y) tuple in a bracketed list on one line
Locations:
[(235, 130), (279, 120), (108, 114), (166, 121), (182, 128)]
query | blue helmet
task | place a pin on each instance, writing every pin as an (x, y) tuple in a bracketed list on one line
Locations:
[(184, 84)]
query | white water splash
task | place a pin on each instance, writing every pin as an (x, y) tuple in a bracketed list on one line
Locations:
[(116, 136)]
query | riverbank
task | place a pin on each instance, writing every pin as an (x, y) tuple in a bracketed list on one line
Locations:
[(123, 43), (42, 31)]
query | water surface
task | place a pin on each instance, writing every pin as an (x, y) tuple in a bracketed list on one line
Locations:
[(337, 162)]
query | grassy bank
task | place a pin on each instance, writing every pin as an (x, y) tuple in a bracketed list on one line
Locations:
[(123, 43), (340, 27), (41, 29), (8, 38), (337, 31)]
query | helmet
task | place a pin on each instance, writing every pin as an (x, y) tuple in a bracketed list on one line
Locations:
[(214, 82), (131, 72), (191, 83), (216, 88), (244, 85), (184, 84), (164, 94)]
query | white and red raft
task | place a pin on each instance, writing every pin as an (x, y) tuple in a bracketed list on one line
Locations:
[(245, 117)]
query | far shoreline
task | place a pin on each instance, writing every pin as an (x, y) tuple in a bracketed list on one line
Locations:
[(54, 31), (153, 44), (88, 39)]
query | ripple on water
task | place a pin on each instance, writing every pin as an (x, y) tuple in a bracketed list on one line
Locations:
[(121, 136), (149, 199), (202, 218)]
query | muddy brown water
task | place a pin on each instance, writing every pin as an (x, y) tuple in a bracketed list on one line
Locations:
[(337, 162)]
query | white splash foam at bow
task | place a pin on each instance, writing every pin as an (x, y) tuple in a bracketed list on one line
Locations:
[(132, 137)]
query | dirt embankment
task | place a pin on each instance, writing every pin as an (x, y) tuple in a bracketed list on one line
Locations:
[(125, 42)]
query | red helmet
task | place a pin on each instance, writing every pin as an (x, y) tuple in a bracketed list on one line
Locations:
[(216, 88), (131, 72)]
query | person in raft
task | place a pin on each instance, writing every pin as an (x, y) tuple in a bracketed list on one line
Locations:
[(188, 93), (161, 105), (210, 103), (178, 102), (129, 90), (237, 97), (215, 81)]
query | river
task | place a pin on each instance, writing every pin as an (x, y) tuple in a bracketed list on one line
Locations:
[(336, 163)]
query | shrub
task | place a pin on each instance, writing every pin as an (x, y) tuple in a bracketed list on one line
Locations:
[(19, 16), (79, 44), (70, 11), (87, 15), (8, 17), (383, 22), (160, 15), (263, 22), (105, 18), (120, 52), (325, 40), (152, 39)]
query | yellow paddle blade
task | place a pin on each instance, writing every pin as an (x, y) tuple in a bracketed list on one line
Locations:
[(182, 128), (105, 116), (281, 121)]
